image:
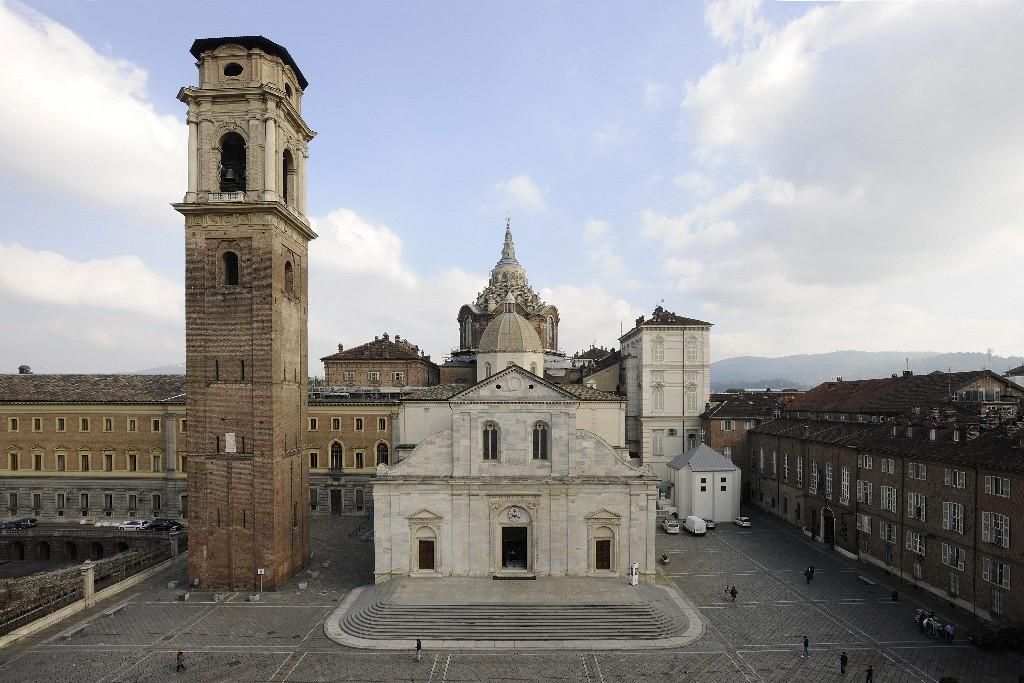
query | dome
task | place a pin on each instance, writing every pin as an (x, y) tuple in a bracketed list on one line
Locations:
[(510, 332)]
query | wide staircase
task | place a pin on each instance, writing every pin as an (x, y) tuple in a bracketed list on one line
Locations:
[(376, 617)]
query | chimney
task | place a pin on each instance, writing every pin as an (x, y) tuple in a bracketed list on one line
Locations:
[(341, 347), (385, 336), (839, 379), (908, 373), (24, 370), (398, 338)]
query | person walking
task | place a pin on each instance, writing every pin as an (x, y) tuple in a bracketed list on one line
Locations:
[(419, 649), (949, 633), (807, 575), (180, 659), (807, 648), (733, 593), (843, 661), (870, 675)]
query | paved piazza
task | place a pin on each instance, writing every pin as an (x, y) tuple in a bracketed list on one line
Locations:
[(281, 638)]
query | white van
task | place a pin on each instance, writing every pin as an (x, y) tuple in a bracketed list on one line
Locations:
[(695, 525)]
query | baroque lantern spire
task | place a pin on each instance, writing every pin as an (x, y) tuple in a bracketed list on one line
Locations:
[(508, 250)]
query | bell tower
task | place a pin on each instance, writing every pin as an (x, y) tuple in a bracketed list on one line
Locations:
[(246, 251)]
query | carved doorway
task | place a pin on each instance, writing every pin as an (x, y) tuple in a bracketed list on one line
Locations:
[(426, 555), (603, 554), (514, 547)]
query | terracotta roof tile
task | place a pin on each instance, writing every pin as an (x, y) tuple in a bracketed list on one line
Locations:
[(33, 388)]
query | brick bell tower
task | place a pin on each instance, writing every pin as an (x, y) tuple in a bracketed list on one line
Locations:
[(246, 250)]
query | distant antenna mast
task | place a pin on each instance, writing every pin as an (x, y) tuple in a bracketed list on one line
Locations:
[(988, 353)]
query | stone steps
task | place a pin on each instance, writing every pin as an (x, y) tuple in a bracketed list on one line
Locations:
[(376, 617)]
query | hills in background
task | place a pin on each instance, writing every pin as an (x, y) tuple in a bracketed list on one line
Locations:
[(807, 370)]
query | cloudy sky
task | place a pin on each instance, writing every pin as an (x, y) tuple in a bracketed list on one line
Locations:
[(808, 177)]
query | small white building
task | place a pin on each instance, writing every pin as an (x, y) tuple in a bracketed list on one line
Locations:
[(705, 484)]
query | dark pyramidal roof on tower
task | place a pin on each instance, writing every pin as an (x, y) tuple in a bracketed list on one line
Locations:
[(202, 45)]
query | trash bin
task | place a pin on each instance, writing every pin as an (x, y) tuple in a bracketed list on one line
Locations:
[(895, 596)]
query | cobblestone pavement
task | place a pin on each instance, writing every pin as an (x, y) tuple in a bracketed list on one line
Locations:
[(281, 638)]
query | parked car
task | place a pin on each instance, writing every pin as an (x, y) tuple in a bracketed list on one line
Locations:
[(709, 523), (742, 521), (8, 525), (695, 525), (997, 635), (27, 522), (133, 525), (671, 526), (164, 524)]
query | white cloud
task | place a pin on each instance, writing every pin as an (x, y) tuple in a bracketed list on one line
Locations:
[(596, 229), (874, 149), (78, 122), (122, 283), (733, 21), (655, 94), (361, 286), (695, 182), (590, 314), (520, 192)]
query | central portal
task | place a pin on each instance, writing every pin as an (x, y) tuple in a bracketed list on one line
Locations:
[(513, 547)]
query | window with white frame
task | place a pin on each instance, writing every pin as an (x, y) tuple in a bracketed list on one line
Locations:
[(727, 451), (659, 400), (860, 490), (997, 486), (916, 506), (774, 464), (313, 424), (373, 376), (955, 478), (997, 602), (915, 542), (398, 376), (916, 470), (691, 402), (953, 556), (887, 531), (954, 584), (888, 498), (761, 460), (800, 472), (888, 466), (995, 572), (953, 516), (812, 485), (995, 529), (658, 375), (692, 350), (864, 461), (864, 523), (844, 485), (349, 375), (659, 441), (785, 466), (828, 480), (659, 350)]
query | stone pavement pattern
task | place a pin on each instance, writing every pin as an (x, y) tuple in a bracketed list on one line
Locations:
[(281, 637)]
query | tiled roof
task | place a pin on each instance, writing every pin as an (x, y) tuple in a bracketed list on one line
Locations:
[(593, 353), (756, 404), (890, 395), (119, 389), (585, 393), (1000, 448), (1016, 372), (605, 362), (703, 458), (664, 317), (440, 392), (381, 348)]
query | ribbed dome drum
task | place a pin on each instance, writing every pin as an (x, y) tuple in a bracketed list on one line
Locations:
[(510, 332)]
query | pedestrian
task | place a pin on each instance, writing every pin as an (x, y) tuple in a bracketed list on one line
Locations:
[(843, 661), (733, 593), (807, 648), (419, 649), (949, 632), (871, 675), (180, 659)]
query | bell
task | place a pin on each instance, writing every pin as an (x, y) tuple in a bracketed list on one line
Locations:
[(229, 173)]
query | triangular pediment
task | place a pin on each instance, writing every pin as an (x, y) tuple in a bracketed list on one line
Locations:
[(603, 514), (424, 515), (514, 384)]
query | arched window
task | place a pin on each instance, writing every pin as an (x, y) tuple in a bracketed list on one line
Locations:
[(230, 268), (232, 163), (288, 177), (336, 453), (382, 454), (467, 333), (551, 333), (289, 278), (487, 369), (540, 441), (491, 441)]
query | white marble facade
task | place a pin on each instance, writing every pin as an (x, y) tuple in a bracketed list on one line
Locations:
[(554, 500)]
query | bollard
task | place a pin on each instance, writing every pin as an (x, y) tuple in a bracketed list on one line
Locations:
[(88, 583)]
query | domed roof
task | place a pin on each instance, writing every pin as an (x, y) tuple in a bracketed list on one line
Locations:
[(510, 332)]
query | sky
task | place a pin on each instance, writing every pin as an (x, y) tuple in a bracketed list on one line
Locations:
[(808, 177)]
